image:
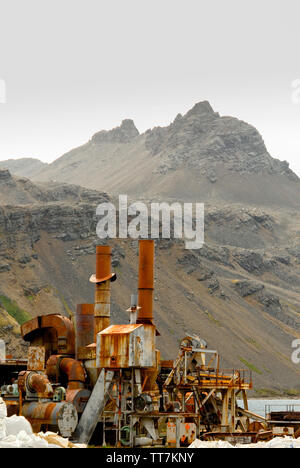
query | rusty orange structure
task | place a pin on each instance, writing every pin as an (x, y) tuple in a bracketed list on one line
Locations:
[(97, 374), (102, 280), (146, 282)]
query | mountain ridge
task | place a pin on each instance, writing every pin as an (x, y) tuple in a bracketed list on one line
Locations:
[(200, 156), (23, 167)]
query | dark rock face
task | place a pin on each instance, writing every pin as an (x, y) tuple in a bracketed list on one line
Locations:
[(66, 221), (239, 227), (251, 261), (273, 306), (247, 288), (295, 252), (21, 191), (202, 140), (56, 192), (205, 275), (66, 212), (189, 259), (285, 259), (123, 134), (270, 302), (218, 254), (4, 267), (5, 175)]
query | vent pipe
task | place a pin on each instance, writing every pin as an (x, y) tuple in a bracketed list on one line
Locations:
[(146, 281), (133, 309), (102, 280)]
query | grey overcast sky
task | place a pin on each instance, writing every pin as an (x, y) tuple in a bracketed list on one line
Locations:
[(73, 67)]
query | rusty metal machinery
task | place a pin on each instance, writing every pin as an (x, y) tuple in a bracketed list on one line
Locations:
[(38, 396), (62, 416), (111, 377)]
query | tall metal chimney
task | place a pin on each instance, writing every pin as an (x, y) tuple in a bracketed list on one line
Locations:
[(146, 281), (102, 280)]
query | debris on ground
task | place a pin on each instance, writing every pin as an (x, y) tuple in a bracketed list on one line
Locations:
[(277, 442)]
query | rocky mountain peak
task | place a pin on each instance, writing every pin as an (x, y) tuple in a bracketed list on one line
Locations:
[(202, 140), (7, 182), (202, 108), (125, 133), (128, 126), (201, 155)]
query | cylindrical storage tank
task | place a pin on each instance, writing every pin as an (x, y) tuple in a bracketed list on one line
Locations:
[(62, 415)]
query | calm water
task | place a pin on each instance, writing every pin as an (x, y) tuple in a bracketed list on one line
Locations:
[(262, 406)]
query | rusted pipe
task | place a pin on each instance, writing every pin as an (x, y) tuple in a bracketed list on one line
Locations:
[(35, 383), (146, 281), (52, 368), (73, 369), (62, 415), (75, 372), (52, 331), (102, 280), (78, 397), (40, 383)]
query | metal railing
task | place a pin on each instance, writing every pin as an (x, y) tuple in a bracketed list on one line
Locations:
[(225, 377), (289, 408)]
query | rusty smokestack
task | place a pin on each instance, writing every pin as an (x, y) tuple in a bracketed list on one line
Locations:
[(102, 280), (146, 281)]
